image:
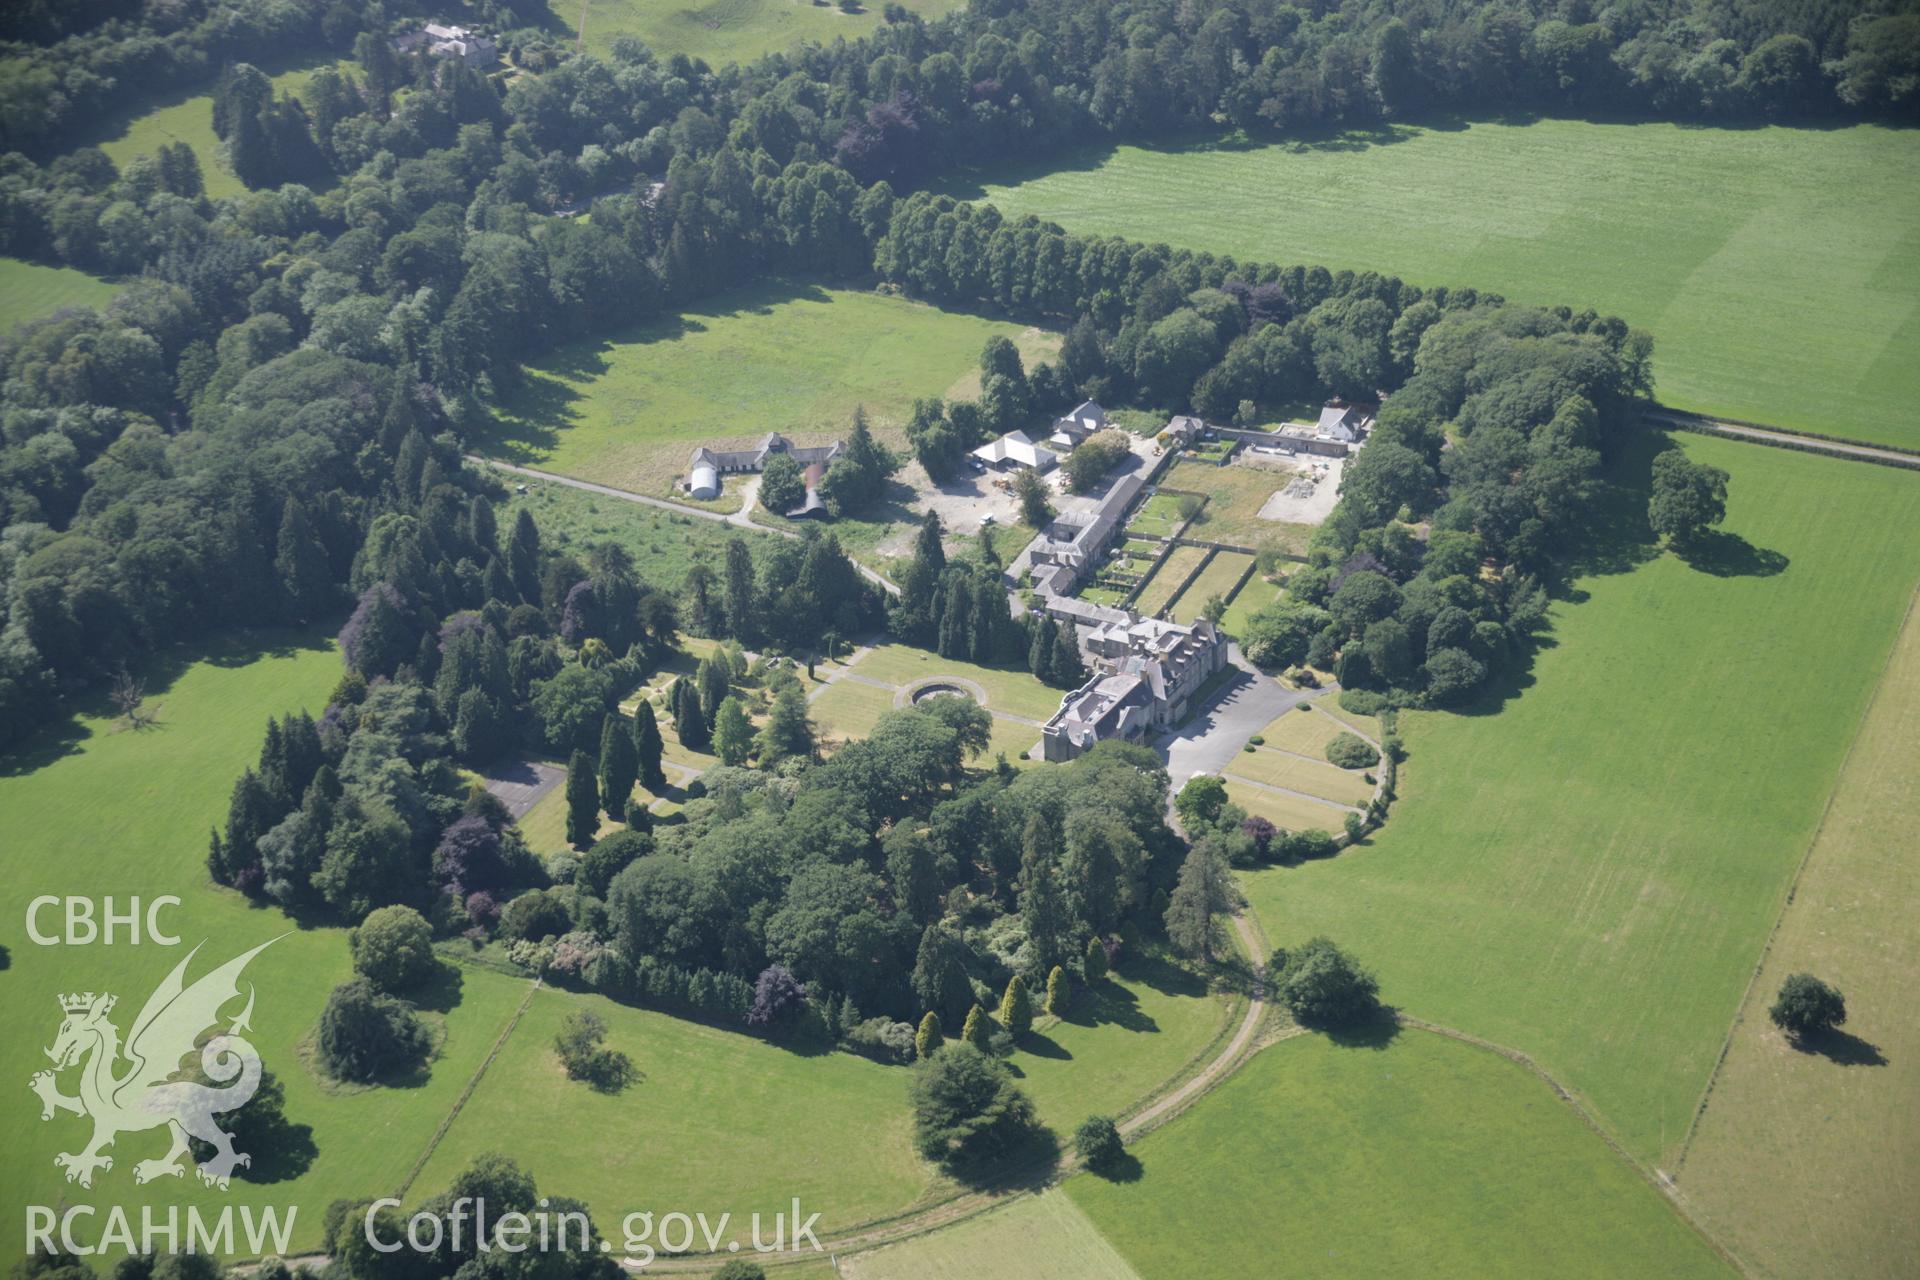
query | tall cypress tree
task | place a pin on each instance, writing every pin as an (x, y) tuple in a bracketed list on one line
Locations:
[(647, 747), (1067, 670), (619, 766), (955, 621), (743, 622), (300, 566), (583, 802), (523, 557), (1040, 652), (927, 547), (689, 722), (711, 678), (982, 640)]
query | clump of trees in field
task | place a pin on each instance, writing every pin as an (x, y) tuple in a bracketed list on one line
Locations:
[(366, 1035), (967, 1110), (581, 1048), (1322, 986)]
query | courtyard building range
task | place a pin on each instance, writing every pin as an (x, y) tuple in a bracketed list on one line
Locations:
[(707, 466)]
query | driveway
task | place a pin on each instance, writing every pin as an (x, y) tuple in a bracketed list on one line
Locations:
[(519, 784), (1212, 739)]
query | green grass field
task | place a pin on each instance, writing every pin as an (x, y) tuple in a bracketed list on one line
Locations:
[(189, 118), (1809, 1163), (97, 811), (848, 710), (1289, 813), (1770, 298), (1007, 690), (1422, 1155), (721, 31), (627, 411), (1167, 580), (1309, 777), (1043, 1237), (1586, 868), (664, 545), (1158, 516), (1119, 1041), (1255, 596), (1235, 495), (1305, 733), (715, 1120), (1219, 578), (29, 291)]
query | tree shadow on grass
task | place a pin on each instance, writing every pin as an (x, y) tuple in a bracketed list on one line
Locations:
[(1108, 1003), (1039, 1044), (1728, 555), (1376, 1033), (441, 992), (1154, 969), (1029, 1166), (1125, 1167), (1842, 1048)]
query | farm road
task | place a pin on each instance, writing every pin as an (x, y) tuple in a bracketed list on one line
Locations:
[(739, 519)]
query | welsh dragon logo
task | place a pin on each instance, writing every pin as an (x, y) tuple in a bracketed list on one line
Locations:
[(130, 1088)]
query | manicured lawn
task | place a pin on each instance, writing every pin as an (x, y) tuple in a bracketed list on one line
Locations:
[(715, 1120), (1014, 691), (663, 545), (96, 811), (1304, 732), (1158, 516), (1102, 595), (1219, 578), (848, 710), (1255, 596), (1422, 1155), (1310, 777), (720, 31), (628, 410), (29, 291), (1289, 813), (1118, 1042), (1770, 298), (190, 120), (1167, 579), (1011, 739), (1043, 1237), (1807, 1162), (1586, 866), (545, 825), (1365, 726)]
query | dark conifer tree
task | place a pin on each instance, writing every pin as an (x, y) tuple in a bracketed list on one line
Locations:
[(301, 567), (647, 747), (583, 802), (619, 766)]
